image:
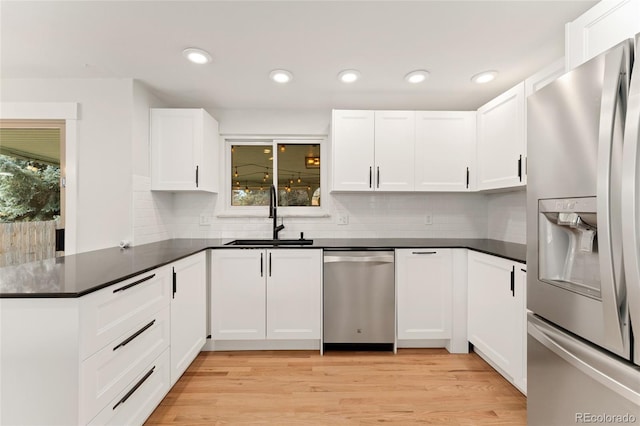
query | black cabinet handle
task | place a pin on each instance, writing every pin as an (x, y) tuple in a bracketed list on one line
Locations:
[(467, 178), (175, 283), (424, 252), (269, 263), (378, 177), (523, 270), (513, 281), (197, 170), (134, 335), (520, 168), (262, 264), (135, 388), (370, 176), (134, 283)]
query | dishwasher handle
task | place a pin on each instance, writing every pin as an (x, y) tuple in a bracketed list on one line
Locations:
[(388, 258)]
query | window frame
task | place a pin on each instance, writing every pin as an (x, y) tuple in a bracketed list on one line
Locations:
[(283, 211)]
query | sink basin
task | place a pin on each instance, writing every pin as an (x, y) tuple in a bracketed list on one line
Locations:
[(269, 243)]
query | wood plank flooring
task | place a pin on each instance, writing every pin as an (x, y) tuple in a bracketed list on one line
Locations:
[(414, 387)]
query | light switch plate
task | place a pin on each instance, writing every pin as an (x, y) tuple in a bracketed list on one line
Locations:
[(428, 219), (205, 220), (343, 219)]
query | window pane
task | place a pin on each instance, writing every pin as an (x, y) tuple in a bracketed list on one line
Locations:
[(251, 174), (298, 174)]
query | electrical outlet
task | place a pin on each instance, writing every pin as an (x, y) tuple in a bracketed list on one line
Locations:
[(343, 219), (205, 220), (428, 219)]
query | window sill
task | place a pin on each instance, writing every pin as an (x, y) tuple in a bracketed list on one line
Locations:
[(232, 214)]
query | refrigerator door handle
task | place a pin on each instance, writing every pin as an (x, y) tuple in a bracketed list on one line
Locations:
[(630, 199), (608, 189), (588, 360)]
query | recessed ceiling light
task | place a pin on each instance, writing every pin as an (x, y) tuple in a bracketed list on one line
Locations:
[(484, 77), (280, 76), (417, 76), (197, 56), (349, 76)]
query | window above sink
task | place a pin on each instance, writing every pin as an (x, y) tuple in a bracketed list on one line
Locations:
[(295, 166)]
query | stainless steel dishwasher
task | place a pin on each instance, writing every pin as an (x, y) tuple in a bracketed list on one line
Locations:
[(359, 300)]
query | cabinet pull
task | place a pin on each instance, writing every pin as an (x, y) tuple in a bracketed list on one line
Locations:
[(175, 283), (269, 263), (134, 335), (135, 388), (134, 283), (424, 252), (523, 270), (520, 168), (378, 177), (197, 170), (513, 281), (467, 178), (370, 176), (262, 264)]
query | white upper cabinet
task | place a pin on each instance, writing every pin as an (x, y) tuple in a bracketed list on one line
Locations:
[(501, 141), (445, 150), (184, 147), (352, 148), (394, 149), (603, 26), (403, 150)]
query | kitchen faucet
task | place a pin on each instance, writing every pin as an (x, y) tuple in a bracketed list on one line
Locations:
[(273, 212)]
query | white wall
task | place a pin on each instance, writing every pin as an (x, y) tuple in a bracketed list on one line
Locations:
[(507, 216), (153, 218), (104, 151)]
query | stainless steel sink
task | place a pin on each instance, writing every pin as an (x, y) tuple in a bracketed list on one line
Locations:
[(269, 243)]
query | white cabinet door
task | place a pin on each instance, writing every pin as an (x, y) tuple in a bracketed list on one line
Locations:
[(238, 294), (496, 312), (184, 150), (521, 292), (352, 150), (394, 148), (445, 150), (294, 293), (501, 133), (188, 312), (424, 280), (603, 26)]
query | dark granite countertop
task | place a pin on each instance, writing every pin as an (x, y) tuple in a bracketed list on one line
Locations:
[(80, 274)]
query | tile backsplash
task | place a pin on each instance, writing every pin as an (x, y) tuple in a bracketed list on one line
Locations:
[(160, 215), (507, 216), (369, 216)]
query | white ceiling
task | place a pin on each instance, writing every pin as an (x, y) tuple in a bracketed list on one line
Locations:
[(313, 39)]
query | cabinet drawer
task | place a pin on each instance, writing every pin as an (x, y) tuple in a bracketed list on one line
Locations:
[(136, 403), (109, 372), (109, 313)]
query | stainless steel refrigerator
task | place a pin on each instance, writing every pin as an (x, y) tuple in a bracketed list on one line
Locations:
[(583, 244)]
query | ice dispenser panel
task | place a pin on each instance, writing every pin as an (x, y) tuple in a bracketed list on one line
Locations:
[(568, 245)]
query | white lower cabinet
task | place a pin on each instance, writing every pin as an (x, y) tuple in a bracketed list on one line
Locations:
[(496, 311), (259, 294), (136, 403), (424, 282), (188, 312), (108, 357)]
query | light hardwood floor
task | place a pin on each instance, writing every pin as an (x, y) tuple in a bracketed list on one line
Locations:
[(414, 387)]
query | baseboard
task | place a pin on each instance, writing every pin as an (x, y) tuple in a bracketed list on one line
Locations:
[(260, 345)]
